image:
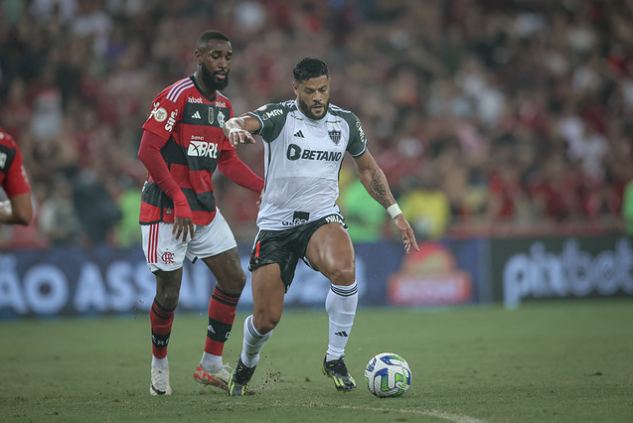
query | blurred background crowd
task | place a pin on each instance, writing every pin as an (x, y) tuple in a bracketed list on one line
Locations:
[(487, 116)]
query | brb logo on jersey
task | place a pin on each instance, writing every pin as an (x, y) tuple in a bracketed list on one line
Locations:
[(295, 152), (203, 149)]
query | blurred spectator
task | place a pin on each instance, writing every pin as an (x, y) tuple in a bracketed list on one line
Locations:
[(422, 76), (15, 114), (426, 206), (128, 233), (508, 201), (92, 21), (364, 216), (555, 191), (60, 11), (96, 209), (58, 221), (627, 208), (47, 118)]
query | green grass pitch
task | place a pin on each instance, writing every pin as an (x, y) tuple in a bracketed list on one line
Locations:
[(544, 362)]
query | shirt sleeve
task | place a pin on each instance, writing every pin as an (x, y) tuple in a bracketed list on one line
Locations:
[(149, 154), (357, 141), (237, 171), (166, 113)]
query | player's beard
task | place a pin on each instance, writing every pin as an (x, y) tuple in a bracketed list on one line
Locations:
[(306, 110), (211, 82)]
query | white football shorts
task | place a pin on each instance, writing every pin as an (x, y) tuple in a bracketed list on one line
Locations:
[(164, 252)]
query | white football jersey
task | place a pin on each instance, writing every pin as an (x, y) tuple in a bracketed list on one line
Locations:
[(303, 158)]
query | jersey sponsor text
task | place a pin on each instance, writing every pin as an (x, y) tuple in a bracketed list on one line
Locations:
[(202, 149), (272, 114), (295, 152), (171, 121)]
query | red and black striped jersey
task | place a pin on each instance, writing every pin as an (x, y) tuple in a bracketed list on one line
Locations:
[(192, 124), (13, 178)]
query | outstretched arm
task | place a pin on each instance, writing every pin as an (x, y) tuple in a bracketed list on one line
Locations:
[(18, 210), (375, 182), (239, 130), (237, 171)]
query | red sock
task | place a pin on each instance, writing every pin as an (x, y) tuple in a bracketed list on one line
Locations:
[(221, 315), (160, 320)]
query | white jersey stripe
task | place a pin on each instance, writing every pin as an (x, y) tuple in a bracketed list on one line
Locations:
[(176, 86), (179, 88)]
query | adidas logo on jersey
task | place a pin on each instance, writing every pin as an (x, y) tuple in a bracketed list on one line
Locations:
[(299, 134), (196, 115)]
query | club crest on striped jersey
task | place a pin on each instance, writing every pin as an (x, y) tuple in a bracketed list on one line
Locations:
[(221, 118)]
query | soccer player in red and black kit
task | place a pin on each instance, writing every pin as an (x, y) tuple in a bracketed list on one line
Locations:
[(182, 145), (17, 209)]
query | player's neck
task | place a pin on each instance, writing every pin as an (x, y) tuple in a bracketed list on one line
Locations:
[(208, 92)]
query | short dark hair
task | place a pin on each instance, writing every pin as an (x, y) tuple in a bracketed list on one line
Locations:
[(204, 39), (309, 68)]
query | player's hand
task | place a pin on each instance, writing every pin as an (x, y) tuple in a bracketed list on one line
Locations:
[(408, 237), (240, 136), (183, 226)]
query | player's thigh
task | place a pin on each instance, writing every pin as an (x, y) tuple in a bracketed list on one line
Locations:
[(268, 297), (227, 269), (212, 239), (330, 250), (162, 250)]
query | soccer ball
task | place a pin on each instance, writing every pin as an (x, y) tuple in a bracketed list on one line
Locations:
[(387, 375)]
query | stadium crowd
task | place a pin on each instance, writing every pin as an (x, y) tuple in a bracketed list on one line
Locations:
[(486, 115)]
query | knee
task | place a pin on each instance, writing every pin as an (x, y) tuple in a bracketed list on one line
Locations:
[(234, 283), (168, 298), (265, 322), (341, 274)]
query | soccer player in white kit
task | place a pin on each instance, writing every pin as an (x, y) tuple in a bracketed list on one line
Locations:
[(305, 142)]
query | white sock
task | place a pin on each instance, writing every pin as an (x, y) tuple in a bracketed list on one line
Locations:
[(161, 363), (210, 362), (340, 304), (253, 343)]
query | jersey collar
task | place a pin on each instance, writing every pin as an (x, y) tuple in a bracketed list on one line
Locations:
[(202, 93)]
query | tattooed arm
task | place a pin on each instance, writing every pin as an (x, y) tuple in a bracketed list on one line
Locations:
[(375, 182)]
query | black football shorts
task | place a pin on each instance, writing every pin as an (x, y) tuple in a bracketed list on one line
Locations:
[(287, 247)]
